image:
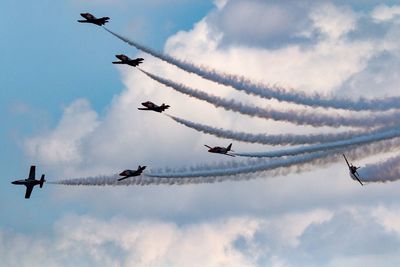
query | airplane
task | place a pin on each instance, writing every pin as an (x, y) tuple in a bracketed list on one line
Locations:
[(131, 173), (151, 106), (89, 18), (30, 182), (128, 61), (220, 150), (353, 171)]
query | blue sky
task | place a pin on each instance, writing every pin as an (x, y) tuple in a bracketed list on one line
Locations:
[(71, 112), (48, 61)]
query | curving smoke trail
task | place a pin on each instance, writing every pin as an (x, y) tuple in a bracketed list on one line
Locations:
[(386, 171), (269, 92), (271, 139), (238, 171), (365, 139), (294, 116)]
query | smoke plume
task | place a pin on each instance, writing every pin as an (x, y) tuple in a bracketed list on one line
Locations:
[(240, 83), (303, 117), (272, 139)]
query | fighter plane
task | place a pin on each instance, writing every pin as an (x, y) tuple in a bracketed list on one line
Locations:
[(131, 173), (30, 182), (151, 106), (89, 18), (353, 171), (126, 60), (220, 150)]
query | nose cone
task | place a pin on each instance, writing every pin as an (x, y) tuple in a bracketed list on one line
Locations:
[(15, 182)]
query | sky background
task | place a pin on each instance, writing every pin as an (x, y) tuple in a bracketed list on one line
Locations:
[(71, 112)]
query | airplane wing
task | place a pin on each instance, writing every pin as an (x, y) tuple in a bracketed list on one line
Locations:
[(32, 172), (28, 191), (346, 160), (356, 175)]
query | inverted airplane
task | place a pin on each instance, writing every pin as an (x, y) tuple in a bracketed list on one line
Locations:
[(220, 150), (353, 171), (128, 61), (131, 173), (151, 106), (30, 182), (89, 18)]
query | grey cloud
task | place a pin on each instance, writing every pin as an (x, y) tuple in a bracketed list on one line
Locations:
[(268, 24)]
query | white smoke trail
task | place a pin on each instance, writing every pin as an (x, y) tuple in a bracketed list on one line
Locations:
[(237, 171), (303, 117), (271, 139), (365, 139), (266, 91), (388, 170)]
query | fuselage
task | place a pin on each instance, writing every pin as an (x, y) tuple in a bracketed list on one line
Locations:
[(130, 173), (26, 182), (217, 149)]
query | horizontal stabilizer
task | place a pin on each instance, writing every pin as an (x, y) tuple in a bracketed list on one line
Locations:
[(42, 180)]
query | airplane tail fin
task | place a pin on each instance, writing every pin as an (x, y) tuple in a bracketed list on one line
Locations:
[(42, 180), (229, 147), (165, 106)]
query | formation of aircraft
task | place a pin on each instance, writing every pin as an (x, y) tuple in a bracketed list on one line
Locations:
[(128, 61), (89, 18), (220, 150), (30, 182), (353, 171), (151, 106), (131, 173)]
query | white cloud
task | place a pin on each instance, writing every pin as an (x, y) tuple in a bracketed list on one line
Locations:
[(333, 21), (384, 13), (63, 144), (234, 241)]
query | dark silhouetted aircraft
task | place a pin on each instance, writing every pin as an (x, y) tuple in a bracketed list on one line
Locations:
[(89, 18), (30, 182), (126, 60), (220, 150), (353, 171), (131, 173), (151, 106)]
